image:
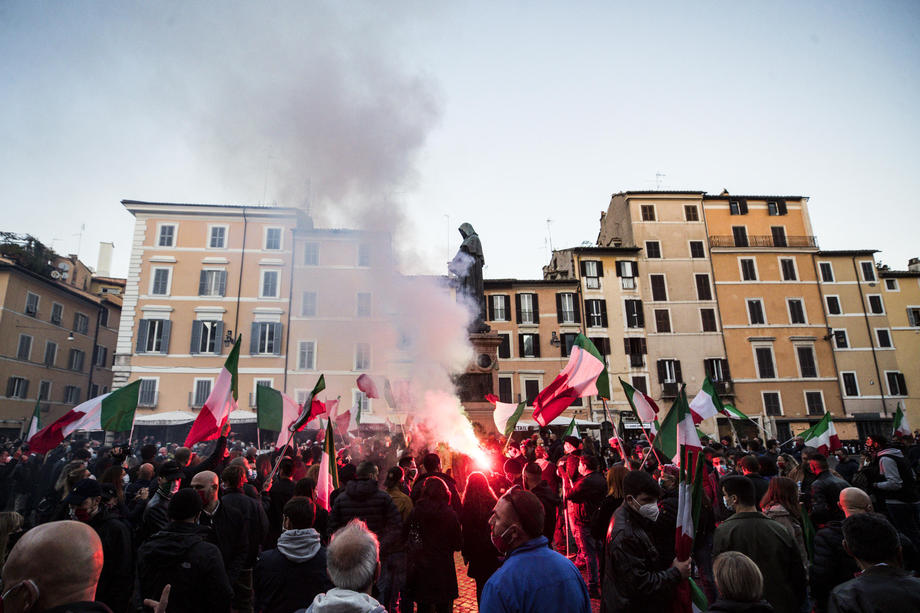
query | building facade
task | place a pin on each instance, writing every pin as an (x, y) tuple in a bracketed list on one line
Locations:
[(901, 293)]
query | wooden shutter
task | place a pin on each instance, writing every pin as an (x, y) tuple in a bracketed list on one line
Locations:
[(662, 372), (143, 327), (584, 268), (167, 328), (25, 389), (196, 337), (677, 373), (781, 206), (219, 341), (536, 342), (726, 374), (743, 206), (222, 283), (600, 268), (517, 307), (619, 267), (603, 313), (577, 308), (536, 309), (626, 346), (643, 347), (254, 338), (278, 339), (521, 351), (203, 283), (902, 384), (558, 308), (490, 307)]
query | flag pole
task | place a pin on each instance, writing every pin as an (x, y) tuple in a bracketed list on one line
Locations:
[(280, 456), (565, 516)]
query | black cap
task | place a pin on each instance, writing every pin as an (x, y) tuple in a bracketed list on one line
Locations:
[(185, 504), (85, 488), (170, 470)]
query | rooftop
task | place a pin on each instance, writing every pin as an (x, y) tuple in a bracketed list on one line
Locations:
[(494, 283), (894, 274), (597, 249), (848, 252)]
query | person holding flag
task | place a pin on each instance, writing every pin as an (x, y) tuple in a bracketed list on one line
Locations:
[(584, 375)]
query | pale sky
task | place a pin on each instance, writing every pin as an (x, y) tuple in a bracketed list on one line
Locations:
[(419, 118)]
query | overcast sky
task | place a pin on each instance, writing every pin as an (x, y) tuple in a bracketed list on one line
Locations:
[(417, 118)]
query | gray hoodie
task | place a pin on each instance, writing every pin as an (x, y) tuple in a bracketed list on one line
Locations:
[(338, 600), (299, 545)]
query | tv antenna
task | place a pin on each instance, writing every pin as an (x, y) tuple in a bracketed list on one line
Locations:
[(658, 177), (549, 234)]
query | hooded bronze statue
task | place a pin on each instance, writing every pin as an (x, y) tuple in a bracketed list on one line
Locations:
[(468, 269)]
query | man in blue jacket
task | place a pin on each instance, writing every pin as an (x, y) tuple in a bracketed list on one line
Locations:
[(533, 577)]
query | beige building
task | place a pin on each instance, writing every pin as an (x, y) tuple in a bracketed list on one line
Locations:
[(901, 296)]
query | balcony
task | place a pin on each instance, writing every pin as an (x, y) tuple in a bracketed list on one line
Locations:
[(669, 390), (763, 241), (723, 388)]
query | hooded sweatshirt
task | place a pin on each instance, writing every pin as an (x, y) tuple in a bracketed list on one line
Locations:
[(287, 578), (299, 545), (338, 600)]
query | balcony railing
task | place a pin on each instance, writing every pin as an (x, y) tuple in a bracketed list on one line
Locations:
[(669, 390), (724, 388), (762, 241)]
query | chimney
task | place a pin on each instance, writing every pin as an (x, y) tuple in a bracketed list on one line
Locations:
[(913, 264), (104, 263)]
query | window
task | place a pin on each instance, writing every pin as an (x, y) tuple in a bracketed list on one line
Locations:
[(360, 401), (635, 317), (17, 387), (266, 338), (212, 283), (850, 384), (528, 311), (206, 336), (499, 307), (868, 271), (659, 291), (765, 367), (777, 208), (567, 309), (596, 311), (93, 390), (24, 350), (697, 250), (815, 403), (841, 341), (362, 356), (779, 236), (72, 394), (827, 272), (306, 355), (662, 320), (627, 270), (807, 366), (739, 234), (716, 369), (787, 265), (648, 212), (81, 323), (153, 336), (100, 354), (636, 348), (913, 316), (311, 254), (891, 285), (875, 305), (748, 269), (504, 347), (691, 213), (592, 271), (44, 390), (529, 345), (504, 390), (75, 360), (755, 312), (147, 393), (57, 313), (50, 353), (737, 207), (565, 343), (202, 391), (31, 304), (772, 405), (167, 237), (703, 288), (308, 305), (771, 209), (652, 249), (364, 255), (833, 305), (669, 371), (218, 237), (602, 344), (796, 311), (883, 335), (364, 304), (531, 389), (160, 284), (640, 383), (272, 239), (104, 317), (708, 318), (897, 385), (270, 287)]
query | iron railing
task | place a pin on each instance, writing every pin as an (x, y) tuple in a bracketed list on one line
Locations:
[(767, 240)]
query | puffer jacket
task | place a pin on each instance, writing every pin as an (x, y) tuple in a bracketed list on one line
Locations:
[(363, 500), (588, 494)]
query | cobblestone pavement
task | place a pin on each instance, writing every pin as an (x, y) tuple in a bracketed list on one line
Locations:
[(467, 601)]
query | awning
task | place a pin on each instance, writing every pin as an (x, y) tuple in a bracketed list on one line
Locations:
[(527, 424), (166, 418), (242, 416)]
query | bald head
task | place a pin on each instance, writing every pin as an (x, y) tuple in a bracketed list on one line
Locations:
[(206, 484), (77, 554), (853, 501), (145, 471)]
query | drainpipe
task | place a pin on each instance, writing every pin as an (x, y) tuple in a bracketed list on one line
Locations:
[(92, 361), (862, 298), (287, 336), (827, 326), (239, 287)]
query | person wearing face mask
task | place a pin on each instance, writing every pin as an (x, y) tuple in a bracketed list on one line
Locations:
[(117, 579), (533, 577), (222, 525), (633, 579), (587, 494), (763, 540), (169, 477)]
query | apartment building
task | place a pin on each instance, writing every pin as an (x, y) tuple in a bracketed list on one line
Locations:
[(860, 336), (901, 296), (773, 323), (675, 286), (56, 342), (200, 275)]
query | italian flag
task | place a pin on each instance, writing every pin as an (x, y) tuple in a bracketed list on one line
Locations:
[(689, 503), (732, 413), (368, 386), (901, 427), (506, 414), (113, 412), (221, 401), (643, 407), (678, 430), (571, 430), (275, 411), (35, 423), (578, 379), (823, 435), (328, 477), (316, 406), (707, 404)]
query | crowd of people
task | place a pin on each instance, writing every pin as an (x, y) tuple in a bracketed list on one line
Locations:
[(560, 524)]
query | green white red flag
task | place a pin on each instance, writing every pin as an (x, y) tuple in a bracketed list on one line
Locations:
[(677, 429), (113, 412), (900, 425), (506, 414), (276, 412), (328, 477), (220, 403), (689, 503), (823, 435), (35, 422), (571, 430), (706, 403), (578, 379), (313, 407), (643, 407)]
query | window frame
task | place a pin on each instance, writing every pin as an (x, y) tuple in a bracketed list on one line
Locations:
[(568, 316), (820, 393), (768, 347), (45, 387), (827, 305), (262, 274), (696, 212), (531, 316), (141, 400), (60, 316), (782, 232), (265, 232), (898, 374), (715, 320), (28, 352), (667, 314), (881, 303), (830, 266), (27, 309), (913, 316), (782, 269), (862, 271), (267, 340), (657, 250), (664, 286), (153, 280), (742, 234), (801, 301), (763, 311), (763, 402), (363, 256), (309, 246), (702, 245), (504, 311), (644, 208), (359, 354), (359, 312), (843, 383), (878, 341), (696, 281), (534, 340), (741, 273), (301, 346), (835, 337), (175, 234), (814, 360), (195, 382), (214, 291), (304, 302), (894, 282), (50, 363), (218, 226)]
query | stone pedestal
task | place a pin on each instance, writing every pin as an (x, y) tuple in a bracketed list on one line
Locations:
[(480, 378)]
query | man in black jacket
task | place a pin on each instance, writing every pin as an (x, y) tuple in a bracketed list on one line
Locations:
[(222, 525), (281, 489), (289, 577), (882, 585), (432, 465), (179, 556), (586, 496), (234, 479), (825, 491), (169, 476), (533, 481), (363, 499), (897, 487)]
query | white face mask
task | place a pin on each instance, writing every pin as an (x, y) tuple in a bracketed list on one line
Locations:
[(649, 511), (727, 503)]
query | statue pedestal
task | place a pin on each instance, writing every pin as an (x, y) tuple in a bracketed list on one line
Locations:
[(480, 378)]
